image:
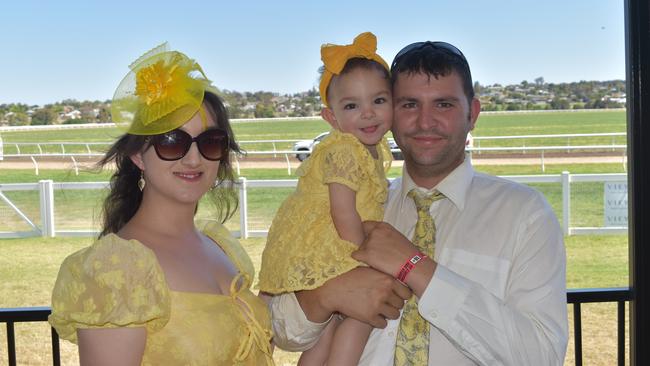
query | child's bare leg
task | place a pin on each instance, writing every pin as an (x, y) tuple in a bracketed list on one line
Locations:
[(318, 354), (349, 341)]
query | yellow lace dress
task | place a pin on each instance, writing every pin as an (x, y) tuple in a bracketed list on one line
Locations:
[(303, 248), (119, 283)]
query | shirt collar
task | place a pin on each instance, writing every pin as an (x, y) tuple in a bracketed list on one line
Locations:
[(454, 186)]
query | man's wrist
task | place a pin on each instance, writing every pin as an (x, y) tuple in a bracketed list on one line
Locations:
[(421, 275), (315, 307), (408, 266)]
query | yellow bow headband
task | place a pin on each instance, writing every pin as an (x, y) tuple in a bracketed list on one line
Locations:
[(335, 57), (163, 90)]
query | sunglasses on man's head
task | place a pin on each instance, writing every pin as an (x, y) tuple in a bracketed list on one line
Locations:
[(417, 46), (174, 145)]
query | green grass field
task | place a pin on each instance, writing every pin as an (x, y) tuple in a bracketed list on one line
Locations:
[(28, 267)]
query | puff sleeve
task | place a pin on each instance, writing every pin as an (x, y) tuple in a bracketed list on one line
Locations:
[(341, 164), (113, 283)]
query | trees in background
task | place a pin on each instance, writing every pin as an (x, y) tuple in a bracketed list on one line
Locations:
[(537, 95), (44, 116)]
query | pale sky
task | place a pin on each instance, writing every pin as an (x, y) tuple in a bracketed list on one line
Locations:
[(54, 50)]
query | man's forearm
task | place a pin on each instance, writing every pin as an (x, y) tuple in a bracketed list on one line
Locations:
[(313, 306), (489, 329)]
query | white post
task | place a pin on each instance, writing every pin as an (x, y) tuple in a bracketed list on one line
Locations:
[(286, 158), (543, 165), (566, 202), (243, 209), (74, 163), (35, 165), (237, 164), (46, 195)]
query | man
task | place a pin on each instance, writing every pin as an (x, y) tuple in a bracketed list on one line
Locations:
[(489, 280)]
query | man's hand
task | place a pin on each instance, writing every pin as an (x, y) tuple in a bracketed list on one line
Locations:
[(385, 249), (362, 293)]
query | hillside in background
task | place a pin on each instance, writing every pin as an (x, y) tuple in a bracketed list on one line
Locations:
[(537, 95)]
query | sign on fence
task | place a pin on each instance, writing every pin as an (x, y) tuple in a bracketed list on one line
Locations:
[(615, 203)]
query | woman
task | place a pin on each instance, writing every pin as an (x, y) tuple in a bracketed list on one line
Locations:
[(153, 289)]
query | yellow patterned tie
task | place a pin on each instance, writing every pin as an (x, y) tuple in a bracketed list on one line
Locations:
[(412, 346)]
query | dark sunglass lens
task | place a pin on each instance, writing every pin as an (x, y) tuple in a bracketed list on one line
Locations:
[(410, 48), (449, 47), (172, 145), (212, 144), (404, 51), (417, 46)]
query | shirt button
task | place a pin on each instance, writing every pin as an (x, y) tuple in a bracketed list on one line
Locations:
[(391, 333), (434, 314)]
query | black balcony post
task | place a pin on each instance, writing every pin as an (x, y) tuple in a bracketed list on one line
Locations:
[(637, 59), (56, 352), (11, 344), (621, 333), (577, 333)]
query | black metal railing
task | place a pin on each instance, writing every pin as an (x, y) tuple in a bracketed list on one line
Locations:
[(23, 315), (576, 297), (620, 295)]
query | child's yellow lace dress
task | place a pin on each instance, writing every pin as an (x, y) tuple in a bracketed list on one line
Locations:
[(119, 283), (303, 249)]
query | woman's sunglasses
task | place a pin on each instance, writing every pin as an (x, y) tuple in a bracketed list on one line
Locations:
[(434, 46), (173, 145)]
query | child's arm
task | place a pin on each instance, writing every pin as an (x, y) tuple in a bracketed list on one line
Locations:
[(344, 213), (342, 342)]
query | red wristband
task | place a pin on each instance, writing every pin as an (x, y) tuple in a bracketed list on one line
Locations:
[(409, 265)]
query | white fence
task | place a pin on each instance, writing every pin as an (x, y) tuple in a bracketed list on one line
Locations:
[(90, 148), (70, 150), (47, 225)]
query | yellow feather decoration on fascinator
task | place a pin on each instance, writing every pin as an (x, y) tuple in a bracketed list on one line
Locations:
[(335, 57), (163, 90)]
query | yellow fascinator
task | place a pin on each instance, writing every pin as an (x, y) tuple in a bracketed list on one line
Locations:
[(335, 56), (163, 90)]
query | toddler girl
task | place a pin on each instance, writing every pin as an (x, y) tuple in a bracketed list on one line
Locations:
[(340, 185)]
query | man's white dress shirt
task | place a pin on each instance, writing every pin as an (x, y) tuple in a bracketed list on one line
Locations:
[(498, 295)]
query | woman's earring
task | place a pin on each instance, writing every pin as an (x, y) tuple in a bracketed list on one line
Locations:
[(141, 181)]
